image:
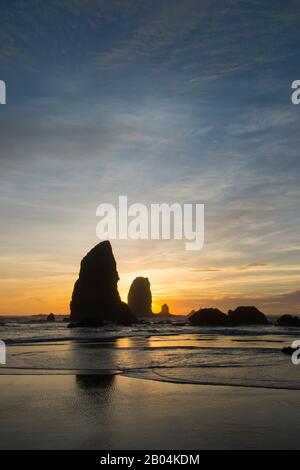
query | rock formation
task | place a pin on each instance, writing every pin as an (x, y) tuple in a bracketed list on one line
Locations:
[(164, 310), (288, 320), (238, 317), (140, 297), (95, 296), (209, 317), (247, 316), (51, 317), (288, 350)]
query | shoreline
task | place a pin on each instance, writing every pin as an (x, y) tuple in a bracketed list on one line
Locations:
[(147, 375)]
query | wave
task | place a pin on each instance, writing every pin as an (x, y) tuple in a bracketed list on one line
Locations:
[(97, 335), (182, 355), (221, 383), (155, 374), (90, 341)]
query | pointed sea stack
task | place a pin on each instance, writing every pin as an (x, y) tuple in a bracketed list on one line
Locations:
[(140, 297), (95, 296)]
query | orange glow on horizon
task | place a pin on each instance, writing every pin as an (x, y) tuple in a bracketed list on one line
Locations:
[(182, 289)]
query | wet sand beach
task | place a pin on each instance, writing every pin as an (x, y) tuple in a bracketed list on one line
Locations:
[(118, 412)]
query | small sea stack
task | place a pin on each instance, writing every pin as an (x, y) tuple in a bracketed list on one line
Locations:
[(140, 297), (95, 298), (247, 316), (51, 318), (238, 317), (209, 317), (165, 311), (288, 320)]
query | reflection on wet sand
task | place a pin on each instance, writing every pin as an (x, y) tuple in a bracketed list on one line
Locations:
[(116, 412), (91, 383)]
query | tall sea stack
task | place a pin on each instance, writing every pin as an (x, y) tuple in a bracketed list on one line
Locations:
[(140, 297), (95, 296)]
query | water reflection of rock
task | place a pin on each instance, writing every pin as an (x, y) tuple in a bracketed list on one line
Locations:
[(95, 395), (94, 382)]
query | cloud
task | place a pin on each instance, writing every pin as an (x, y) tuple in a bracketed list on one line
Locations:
[(120, 97), (251, 266), (193, 39)]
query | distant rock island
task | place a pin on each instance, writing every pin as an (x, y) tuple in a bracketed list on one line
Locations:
[(238, 317), (209, 317), (140, 297), (247, 316), (288, 320), (95, 297), (165, 311), (51, 317)]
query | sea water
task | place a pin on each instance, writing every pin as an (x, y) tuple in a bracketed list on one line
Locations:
[(242, 356)]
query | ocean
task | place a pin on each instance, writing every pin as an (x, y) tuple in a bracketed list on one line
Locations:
[(242, 356)]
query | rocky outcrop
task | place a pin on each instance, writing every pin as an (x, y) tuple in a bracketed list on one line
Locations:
[(51, 317), (288, 350), (238, 317), (140, 297), (209, 317), (95, 296), (165, 311), (288, 320), (247, 316)]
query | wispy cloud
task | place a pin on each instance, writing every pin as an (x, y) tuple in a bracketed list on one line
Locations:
[(165, 102)]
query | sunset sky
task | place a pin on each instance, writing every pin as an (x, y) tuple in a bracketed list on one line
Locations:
[(162, 101)]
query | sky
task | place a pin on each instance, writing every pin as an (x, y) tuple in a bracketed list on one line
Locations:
[(162, 101)]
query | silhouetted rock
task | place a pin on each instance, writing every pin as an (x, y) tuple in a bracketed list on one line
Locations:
[(288, 350), (164, 310), (95, 296), (140, 297), (209, 317), (247, 316), (288, 320), (51, 317)]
